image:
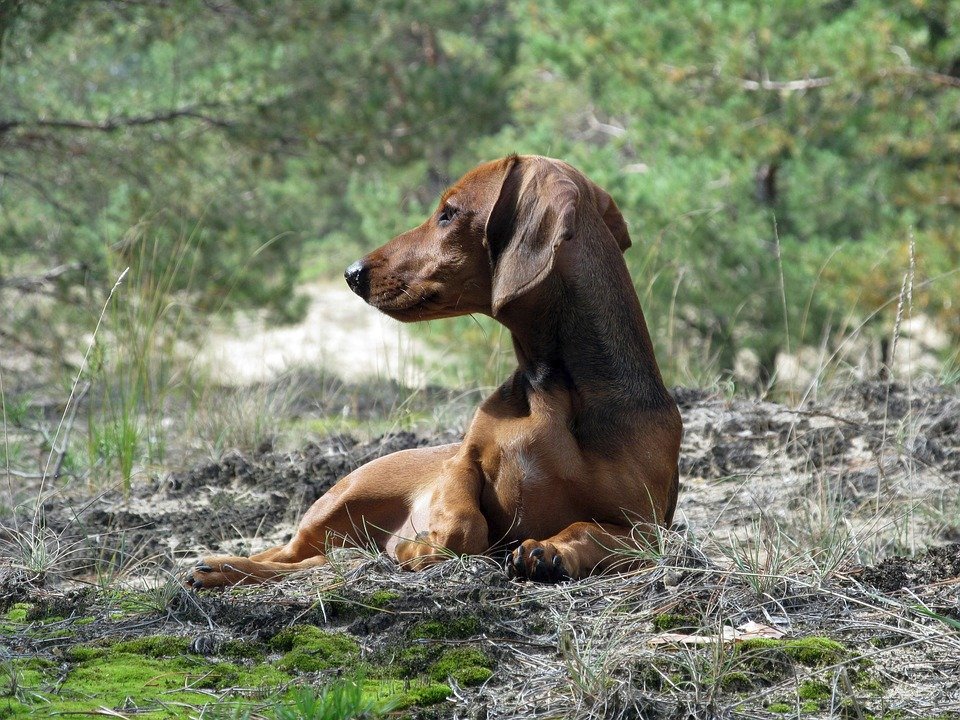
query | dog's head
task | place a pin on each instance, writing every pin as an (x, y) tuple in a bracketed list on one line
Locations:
[(494, 237)]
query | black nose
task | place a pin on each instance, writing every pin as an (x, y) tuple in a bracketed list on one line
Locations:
[(358, 278)]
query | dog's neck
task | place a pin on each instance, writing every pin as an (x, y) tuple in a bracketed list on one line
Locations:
[(585, 327)]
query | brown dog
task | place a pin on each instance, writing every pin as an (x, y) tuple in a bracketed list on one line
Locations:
[(571, 459)]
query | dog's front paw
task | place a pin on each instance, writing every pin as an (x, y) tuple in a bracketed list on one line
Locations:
[(536, 561)]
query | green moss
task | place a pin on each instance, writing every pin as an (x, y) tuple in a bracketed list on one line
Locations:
[(358, 605), (310, 649), (809, 706), (429, 694), (381, 598), (10, 708), (671, 621), (53, 634), (148, 673), (413, 661), (115, 680), (468, 666), (810, 651), (256, 676), (815, 651), (813, 690), (736, 682), (29, 673), (241, 649), (82, 653), (399, 695), (33, 616), (18, 612), (455, 629), (365, 696), (155, 646), (128, 601), (780, 708)]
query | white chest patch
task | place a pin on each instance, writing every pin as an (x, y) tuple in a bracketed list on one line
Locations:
[(417, 521), (530, 472)]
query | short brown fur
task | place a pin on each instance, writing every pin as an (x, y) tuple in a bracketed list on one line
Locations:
[(574, 456)]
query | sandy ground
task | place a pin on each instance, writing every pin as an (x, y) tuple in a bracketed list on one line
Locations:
[(339, 332)]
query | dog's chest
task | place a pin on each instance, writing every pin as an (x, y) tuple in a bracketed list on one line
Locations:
[(530, 461), (527, 488)]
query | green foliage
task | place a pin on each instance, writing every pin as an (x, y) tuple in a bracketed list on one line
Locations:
[(852, 104), (343, 700), (239, 127), (775, 160)]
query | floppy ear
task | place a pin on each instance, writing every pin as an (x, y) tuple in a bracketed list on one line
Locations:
[(534, 213), (611, 216)]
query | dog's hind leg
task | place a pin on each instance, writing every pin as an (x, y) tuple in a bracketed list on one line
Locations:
[(364, 509)]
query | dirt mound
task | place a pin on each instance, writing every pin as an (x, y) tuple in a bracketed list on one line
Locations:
[(936, 566)]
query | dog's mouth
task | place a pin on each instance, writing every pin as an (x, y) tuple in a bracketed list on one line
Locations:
[(405, 303)]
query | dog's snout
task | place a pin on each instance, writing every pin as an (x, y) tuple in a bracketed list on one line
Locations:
[(358, 278)]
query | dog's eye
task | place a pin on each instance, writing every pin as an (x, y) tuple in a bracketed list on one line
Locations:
[(447, 213)]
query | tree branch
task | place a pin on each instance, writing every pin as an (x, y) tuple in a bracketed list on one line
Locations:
[(934, 77), (113, 124), (786, 85), (38, 283)]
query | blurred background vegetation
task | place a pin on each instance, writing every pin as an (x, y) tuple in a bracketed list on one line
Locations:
[(789, 170)]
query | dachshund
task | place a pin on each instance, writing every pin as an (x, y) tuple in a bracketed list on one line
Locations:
[(567, 466)]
